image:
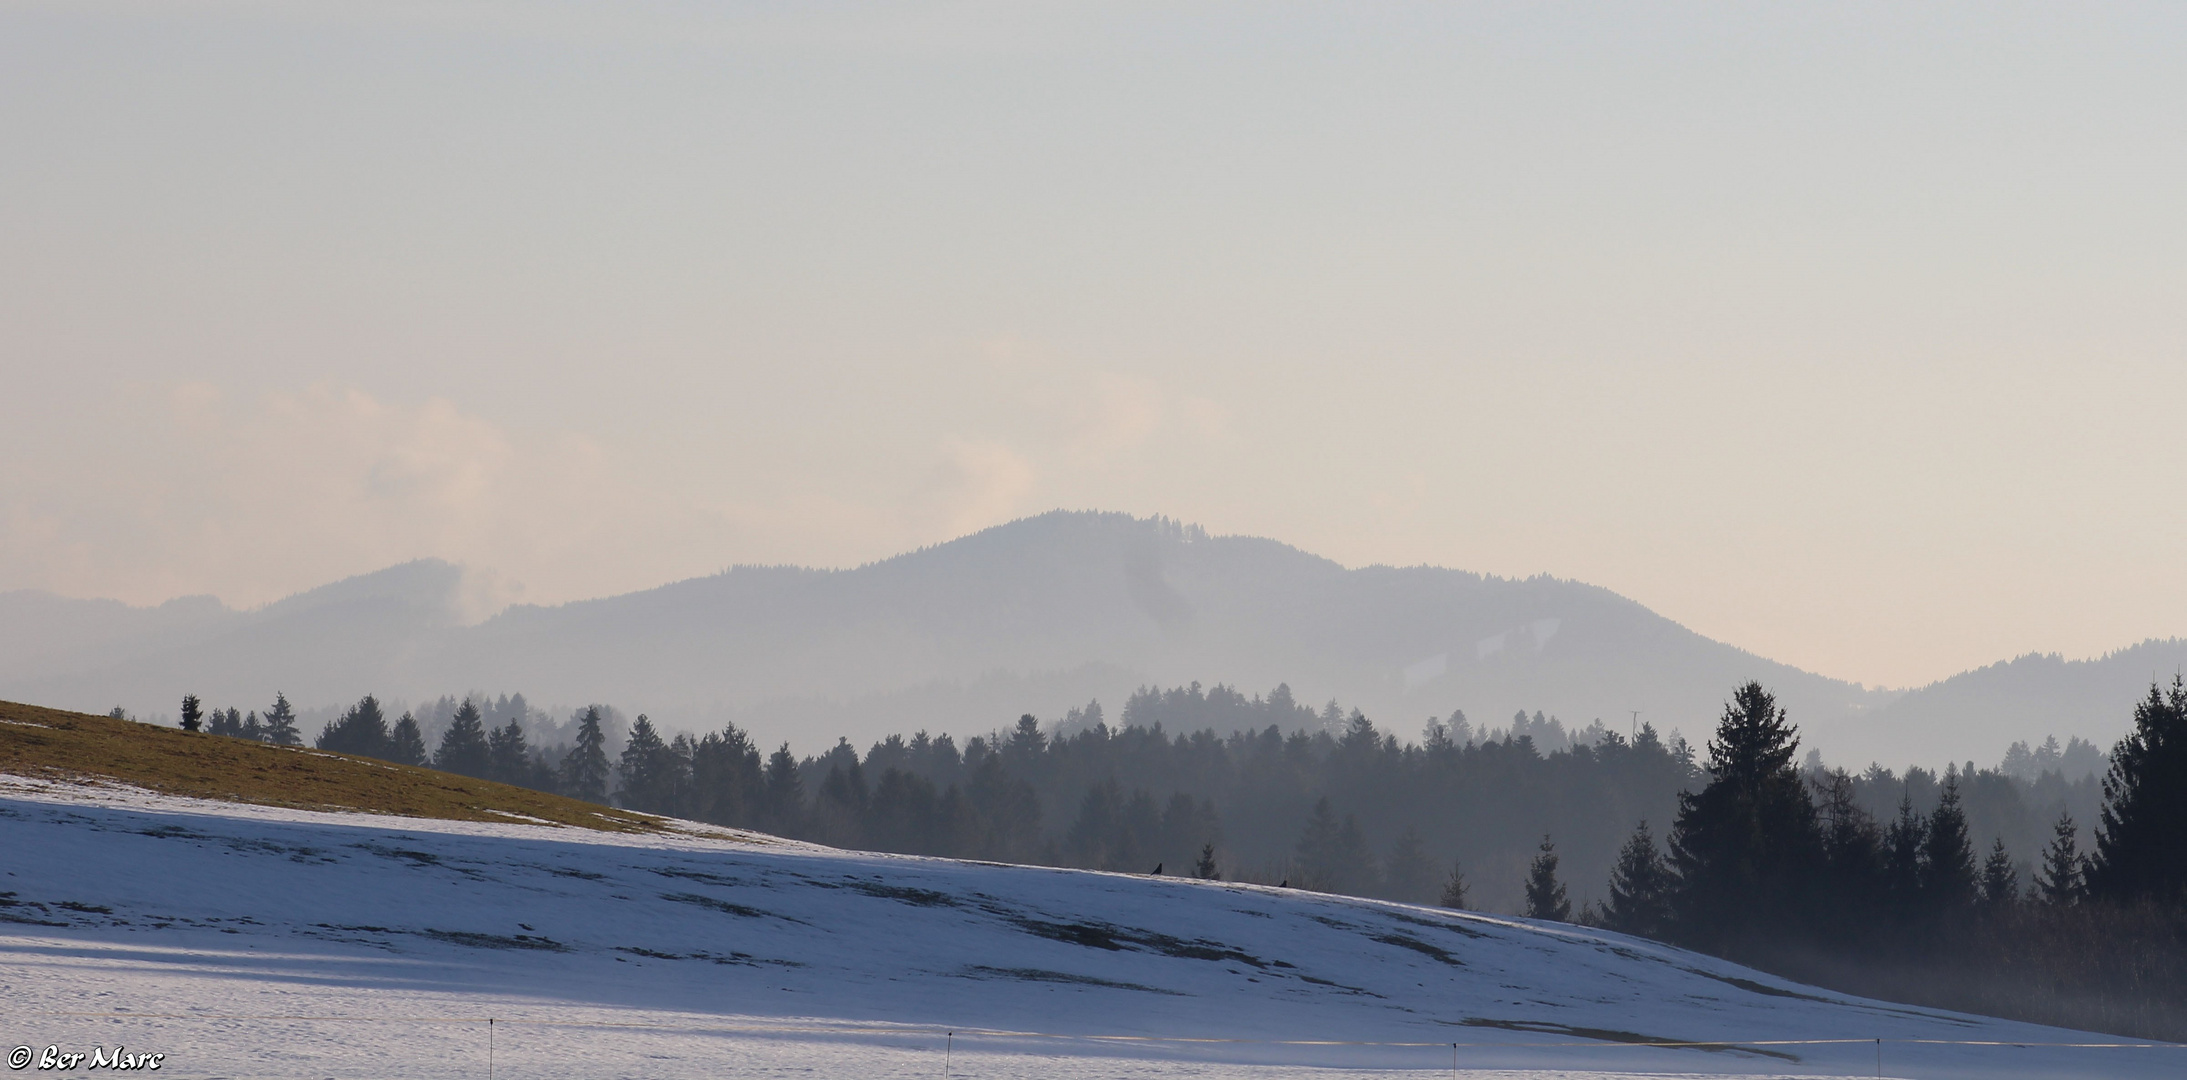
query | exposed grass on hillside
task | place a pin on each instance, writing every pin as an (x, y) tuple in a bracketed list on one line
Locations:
[(58, 745)]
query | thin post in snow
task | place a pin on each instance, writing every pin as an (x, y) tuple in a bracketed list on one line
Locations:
[(1879, 1057), (949, 1044), (1454, 1061), (489, 1048)]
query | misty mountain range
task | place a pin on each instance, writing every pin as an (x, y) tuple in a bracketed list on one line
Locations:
[(1038, 616)]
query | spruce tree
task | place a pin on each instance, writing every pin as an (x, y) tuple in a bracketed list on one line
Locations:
[(647, 771), (2059, 883), (1745, 848), (1205, 868), (2141, 844), (1545, 897), (463, 748), (1097, 837), (786, 793), (508, 755), (228, 722), (1852, 854), (361, 730), (585, 767), (1333, 856), (192, 713), (281, 723), (1948, 876), (1903, 842), (839, 807), (252, 729), (2000, 879), (727, 780), (1640, 888), (1407, 873), (1454, 889), (1026, 741), (1316, 852), (406, 745)]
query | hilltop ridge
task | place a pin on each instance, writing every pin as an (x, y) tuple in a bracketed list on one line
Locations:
[(1036, 615)]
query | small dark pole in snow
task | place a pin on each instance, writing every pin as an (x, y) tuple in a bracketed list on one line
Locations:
[(1879, 1057), (489, 1048), (948, 1044), (1454, 1061)]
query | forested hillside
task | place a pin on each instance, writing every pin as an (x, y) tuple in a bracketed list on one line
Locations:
[(1973, 888), (1322, 796)]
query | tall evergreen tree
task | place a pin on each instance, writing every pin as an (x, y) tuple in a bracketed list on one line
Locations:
[(1026, 741), (904, 814), (648, 772), (1333, 857), (227, 722), (281, 723), (1454, 889), (2000, 879), (1407, 874), (1745, 847), (785, 814), (585, 767), (2141, 845), (362, 729), (1903, 842), (1099, 837), (1205, 869), (1949, 879), (1640, 888), (1005, 810), (1545, 897), (728, 783), (839, 809), (508, 754), (252, 730), (463, 748), (2060, 881), (1852, 853), (192, 713), (406, 744)]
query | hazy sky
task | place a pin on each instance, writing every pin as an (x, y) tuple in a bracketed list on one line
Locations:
[(1855, 335)]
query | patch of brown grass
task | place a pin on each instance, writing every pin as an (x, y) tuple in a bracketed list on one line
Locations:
[(56, 745)]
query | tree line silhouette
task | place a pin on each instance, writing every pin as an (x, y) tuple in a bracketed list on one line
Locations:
[(1787, 871), (1819, 874)]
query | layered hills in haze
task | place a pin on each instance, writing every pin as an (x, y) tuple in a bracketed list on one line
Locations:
[(1038, 616)]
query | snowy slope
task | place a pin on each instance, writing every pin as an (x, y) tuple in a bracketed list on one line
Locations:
[(249, 941)]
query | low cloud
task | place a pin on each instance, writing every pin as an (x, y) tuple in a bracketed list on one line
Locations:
[(978, 483), (185, 489), (161, 491)]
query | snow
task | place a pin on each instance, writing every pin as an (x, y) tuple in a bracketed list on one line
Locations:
[(248, 941)]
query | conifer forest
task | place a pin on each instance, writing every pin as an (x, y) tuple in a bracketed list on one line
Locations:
[(2022, 890)]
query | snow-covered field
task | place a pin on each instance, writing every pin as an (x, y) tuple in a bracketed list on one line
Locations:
[(244, 941)]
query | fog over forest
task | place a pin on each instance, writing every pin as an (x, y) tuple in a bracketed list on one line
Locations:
[(1181, 768)]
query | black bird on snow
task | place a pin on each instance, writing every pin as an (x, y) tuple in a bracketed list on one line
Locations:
[(1157, 869), (1286, 884)]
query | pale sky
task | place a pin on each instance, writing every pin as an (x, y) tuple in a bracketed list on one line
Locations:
[(1854, 335)]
